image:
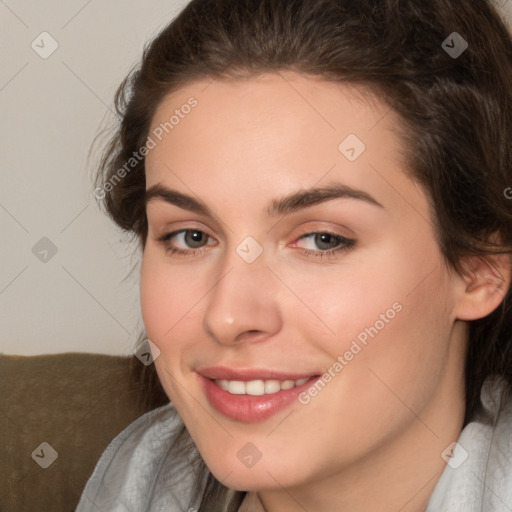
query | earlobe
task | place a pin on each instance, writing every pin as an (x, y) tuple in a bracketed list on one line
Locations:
[(486, 282)]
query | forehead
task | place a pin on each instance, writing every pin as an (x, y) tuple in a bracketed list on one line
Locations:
[(277, 130), (287, 101)]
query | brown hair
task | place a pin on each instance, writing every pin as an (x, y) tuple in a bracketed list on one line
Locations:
[(456, 114)]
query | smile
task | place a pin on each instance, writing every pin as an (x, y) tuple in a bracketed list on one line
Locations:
[(252, 395), (258, 387)]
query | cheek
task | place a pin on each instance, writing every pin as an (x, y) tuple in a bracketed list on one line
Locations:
[(379, 363), (164, 301), (389, 313), (152, 301), (340, 302), (164, 298), (404, 350)]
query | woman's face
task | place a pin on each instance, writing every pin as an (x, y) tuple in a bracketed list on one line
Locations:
[(303, 251)]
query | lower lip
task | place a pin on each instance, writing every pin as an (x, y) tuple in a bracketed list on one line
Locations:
[(251, 408)]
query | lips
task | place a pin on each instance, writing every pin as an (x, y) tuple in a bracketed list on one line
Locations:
[(237, 394), (225, 373)]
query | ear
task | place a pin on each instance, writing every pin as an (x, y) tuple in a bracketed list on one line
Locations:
[(486, 281)]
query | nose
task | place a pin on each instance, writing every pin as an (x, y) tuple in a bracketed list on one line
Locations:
[(243, 304)]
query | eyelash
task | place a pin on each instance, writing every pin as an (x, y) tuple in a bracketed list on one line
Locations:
[(345, 244)]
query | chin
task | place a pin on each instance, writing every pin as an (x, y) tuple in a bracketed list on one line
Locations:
[(250, 481), (262, 475)]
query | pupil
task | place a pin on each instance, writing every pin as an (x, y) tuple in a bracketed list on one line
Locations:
[(325, 241), (194, 237)]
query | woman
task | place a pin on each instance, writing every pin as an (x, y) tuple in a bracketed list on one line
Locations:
[(320, 194)]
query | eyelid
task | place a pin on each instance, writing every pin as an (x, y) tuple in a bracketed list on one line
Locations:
[(344, 244), (167, 219), (171, 234), (167, 235), (167, 228), (310, 227), (308, 234)]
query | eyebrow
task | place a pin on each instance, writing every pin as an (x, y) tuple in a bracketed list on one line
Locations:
[(283, 206)]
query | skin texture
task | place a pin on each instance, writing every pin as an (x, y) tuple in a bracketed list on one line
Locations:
[(372, 439)]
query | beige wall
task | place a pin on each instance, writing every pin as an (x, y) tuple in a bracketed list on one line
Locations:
[(51, 109)]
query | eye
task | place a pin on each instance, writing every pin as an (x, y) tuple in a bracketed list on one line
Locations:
[(325, 243), (190, 240)]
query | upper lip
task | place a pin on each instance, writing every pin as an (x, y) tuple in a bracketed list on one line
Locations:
[(225, 373)]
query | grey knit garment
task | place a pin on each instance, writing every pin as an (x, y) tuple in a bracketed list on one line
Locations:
[(483, 480), (140, 472)]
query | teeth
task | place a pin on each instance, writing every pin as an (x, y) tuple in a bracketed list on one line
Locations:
[(273, 386), (288, 384), (258, 387), (224, 384), (255, 387), (235, 387)]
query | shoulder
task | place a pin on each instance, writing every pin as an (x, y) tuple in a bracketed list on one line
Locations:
[(151, 465), (478, 474)]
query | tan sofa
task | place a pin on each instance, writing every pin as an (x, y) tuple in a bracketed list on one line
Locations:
[(57, 414)]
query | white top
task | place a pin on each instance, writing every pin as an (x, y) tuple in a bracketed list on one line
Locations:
[(139, 471)]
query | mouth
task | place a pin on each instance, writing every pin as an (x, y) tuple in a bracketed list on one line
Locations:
[(258, 387), (252, 395)]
